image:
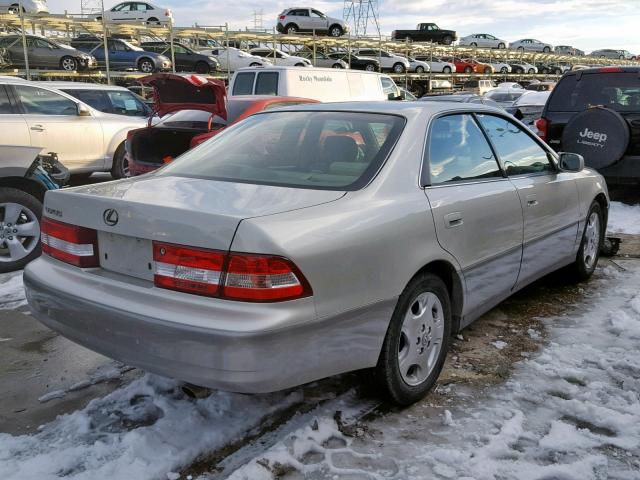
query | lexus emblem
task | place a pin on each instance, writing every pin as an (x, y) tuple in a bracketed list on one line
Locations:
[(110, 217)]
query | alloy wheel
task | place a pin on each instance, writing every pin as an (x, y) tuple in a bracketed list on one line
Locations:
[(591, 240), (19, 232), (146, 66), (421, 338), (69, 64)]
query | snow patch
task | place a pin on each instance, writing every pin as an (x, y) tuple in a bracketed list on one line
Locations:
[(499, 344), (624, 218), (11, 291)]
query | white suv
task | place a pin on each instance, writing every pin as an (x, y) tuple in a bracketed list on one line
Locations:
[(278, 57), (388, 61), (85, 139), (294, 20), (132, 12), (232, 58)]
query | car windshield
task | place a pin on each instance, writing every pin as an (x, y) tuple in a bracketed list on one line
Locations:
[(132, 47), (618, 91), (309, 149)]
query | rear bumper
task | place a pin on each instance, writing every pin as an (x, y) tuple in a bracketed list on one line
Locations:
[(624, 171), (235, 346)]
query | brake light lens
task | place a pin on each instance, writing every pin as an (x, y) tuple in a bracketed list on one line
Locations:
[(233, 276), (262, 278), (70, 243), (185, 269), (542, 125), (281, 17), (610, 70)]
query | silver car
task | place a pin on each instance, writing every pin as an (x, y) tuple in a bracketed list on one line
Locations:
[(294, 20), (320, 59), (531, 45), (612, 54), (314, 240), (483, 40)]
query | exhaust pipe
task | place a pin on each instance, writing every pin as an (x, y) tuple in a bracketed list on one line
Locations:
[(194, 391)]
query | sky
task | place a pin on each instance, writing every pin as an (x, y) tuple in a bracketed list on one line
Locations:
[(585, 24)]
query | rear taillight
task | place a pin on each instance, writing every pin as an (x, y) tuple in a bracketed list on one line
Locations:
[(262, 278), (234, 276), (69, 243), (167, 13), (542, 125), (185, 269), (610, 70), (281, 17)]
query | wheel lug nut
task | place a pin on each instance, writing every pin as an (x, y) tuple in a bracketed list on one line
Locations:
[(15, 230), (10, 238)]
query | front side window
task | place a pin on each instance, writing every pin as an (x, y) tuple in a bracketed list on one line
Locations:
[(457, 151), (5, 105), (123, 7), (317, 14), (388, 86), (520, 154), (37, 101), (243, 84), (126, 103), (311, 149)]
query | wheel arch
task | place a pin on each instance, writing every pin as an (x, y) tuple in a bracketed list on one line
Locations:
[(454, 283), (604, 205), (27, 185)]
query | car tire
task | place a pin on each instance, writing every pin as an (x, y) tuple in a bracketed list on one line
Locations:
[(398, 68), (468, 70), (291, 29), (501, 46), (408, 367), (202, 68), (473, 45), (120, 166), (145, 65), (337, 66), (15, 8), (544, 71), (531, 71), (30, 210), (504, 70), (546, 50), (336, 31), (488, 70), (557, 71), (419, 69), (370, 67), (446, 70), (590, 245), (68, 64), (254, 64), (448, 40), (153, 21), (621, 57), (520, 49)]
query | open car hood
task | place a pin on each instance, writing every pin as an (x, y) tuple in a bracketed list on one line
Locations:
[(173, 92)]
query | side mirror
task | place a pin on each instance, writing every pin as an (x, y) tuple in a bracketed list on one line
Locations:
[(394, 96), (83, 110), (571, 162)]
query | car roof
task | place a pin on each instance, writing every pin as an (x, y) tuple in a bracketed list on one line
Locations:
[(602, 70), (80, 85)]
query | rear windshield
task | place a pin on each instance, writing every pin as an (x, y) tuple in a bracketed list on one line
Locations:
[(618, 91), (319, 150), (504, 96)]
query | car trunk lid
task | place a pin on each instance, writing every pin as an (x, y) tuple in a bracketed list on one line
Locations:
[(173, 92), (130, 214)]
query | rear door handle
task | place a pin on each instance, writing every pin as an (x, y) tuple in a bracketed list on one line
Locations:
[(532, 200), (452, 220), (37, 128)]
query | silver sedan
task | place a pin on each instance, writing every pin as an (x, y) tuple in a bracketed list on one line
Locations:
[(320, 239)]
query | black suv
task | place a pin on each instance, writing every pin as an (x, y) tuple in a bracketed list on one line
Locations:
[(596, 112)]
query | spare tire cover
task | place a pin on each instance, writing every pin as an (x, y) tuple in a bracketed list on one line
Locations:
[(599, 134)]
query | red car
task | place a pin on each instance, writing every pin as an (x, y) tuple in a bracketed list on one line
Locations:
[(464, 65), (199, 110)]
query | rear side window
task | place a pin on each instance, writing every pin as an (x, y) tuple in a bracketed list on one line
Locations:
[(520, 154), (5, 105), (458, 151), (304, 149), (38, 101), (618, 91), (96, 99), (243, 84), (267, 83)]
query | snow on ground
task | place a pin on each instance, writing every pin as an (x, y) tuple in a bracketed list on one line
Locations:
[(572, 411), (142, 431), (624, 218), (11, 291)]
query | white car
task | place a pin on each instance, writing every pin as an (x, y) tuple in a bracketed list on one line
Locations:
[(437, 65), (233, 58), (418, 66), (388, 61), (33, 7), (523, 67), (85, 139), (132, 12), (532, 45), (498, 67), (483, 40), (509, 86), (278, 57)]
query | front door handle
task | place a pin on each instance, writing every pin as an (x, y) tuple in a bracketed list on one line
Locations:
[(532, 200), (452, 220), (37, 128)]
